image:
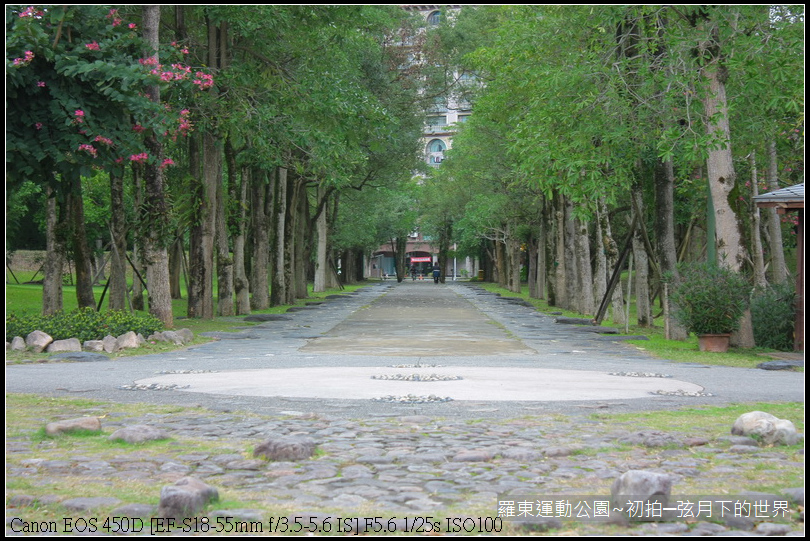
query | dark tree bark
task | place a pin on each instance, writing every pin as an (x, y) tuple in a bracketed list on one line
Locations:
[(118, 246), (56, 248)]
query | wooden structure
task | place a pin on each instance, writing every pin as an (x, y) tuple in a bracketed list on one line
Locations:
[(791, 199)]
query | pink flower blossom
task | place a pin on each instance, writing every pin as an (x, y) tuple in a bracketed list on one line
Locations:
[(29, 56), (204, 80), (133, 26), (38, 125), (139, 158), (89, 149), (138, 128), (41, 84), (166, 163), (93, 46), (103, 140)]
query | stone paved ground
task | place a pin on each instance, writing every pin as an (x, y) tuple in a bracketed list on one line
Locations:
[(403, 467)]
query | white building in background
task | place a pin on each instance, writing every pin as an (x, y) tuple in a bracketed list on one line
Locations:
[(440, 123)]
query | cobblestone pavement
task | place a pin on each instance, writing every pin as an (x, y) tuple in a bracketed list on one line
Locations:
[(400, 465)]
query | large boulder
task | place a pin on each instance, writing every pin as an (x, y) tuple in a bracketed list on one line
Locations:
[(128, 340), (58, 346), (185, 498), (766, 428), (37, 341)]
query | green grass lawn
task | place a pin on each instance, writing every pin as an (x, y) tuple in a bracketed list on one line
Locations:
[(681, 351)]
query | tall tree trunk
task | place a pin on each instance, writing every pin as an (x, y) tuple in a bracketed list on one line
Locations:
[(278, 291), (196, 256), (137, 242), (512, 253), (176, 262), (600, 270), (261, 201), (56, 248), (779, 270), (612, 259), (665, 231), (332, 279), (155, 242), (641, 277), (301, 248), (240, 280), (225, 267), (584, 273), (117, 293), (756, 239), (722, 177), (321, 263), (400, 248), (82, 257), (571, 270), (560, 274)]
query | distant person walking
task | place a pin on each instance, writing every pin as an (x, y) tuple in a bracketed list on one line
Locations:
[(437, 272), (413, 272)]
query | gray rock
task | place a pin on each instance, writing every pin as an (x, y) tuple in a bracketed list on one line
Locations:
[(17, 344), (134, 510), (781, 365), (795, 494), (286, 448), (127, 340), (770, 528), (641, 484), (82, 423), (81, 357), (110, 344), (21, 500), (57, 346), (185, 498), (472, 456), (185, 335), (37, 341), (86, 504), (652, 438), (766, 428), (138, 434), (93, 346)]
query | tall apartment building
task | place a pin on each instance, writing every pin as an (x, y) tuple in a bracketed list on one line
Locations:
[(440, 122)]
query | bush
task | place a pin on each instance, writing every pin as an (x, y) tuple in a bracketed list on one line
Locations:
[(83, 324), (709, 299), (773, 316)]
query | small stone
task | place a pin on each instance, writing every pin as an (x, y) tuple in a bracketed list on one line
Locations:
[(17, 344), (86, 504), (138, 434), (82, 423), (286, 449)]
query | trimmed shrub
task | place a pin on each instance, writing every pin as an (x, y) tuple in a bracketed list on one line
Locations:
[(83, 324), (773, 316)]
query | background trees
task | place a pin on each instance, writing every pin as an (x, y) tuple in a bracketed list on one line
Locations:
[(293, 133)]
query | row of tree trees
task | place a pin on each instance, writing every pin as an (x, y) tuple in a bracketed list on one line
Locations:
[(255, 146), (599, 127), (231, 138)]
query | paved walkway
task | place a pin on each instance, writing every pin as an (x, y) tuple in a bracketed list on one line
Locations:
[(424, 400), (411, 348)]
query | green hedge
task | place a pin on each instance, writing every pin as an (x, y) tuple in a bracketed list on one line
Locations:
[(84, 324), (773, 316)]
